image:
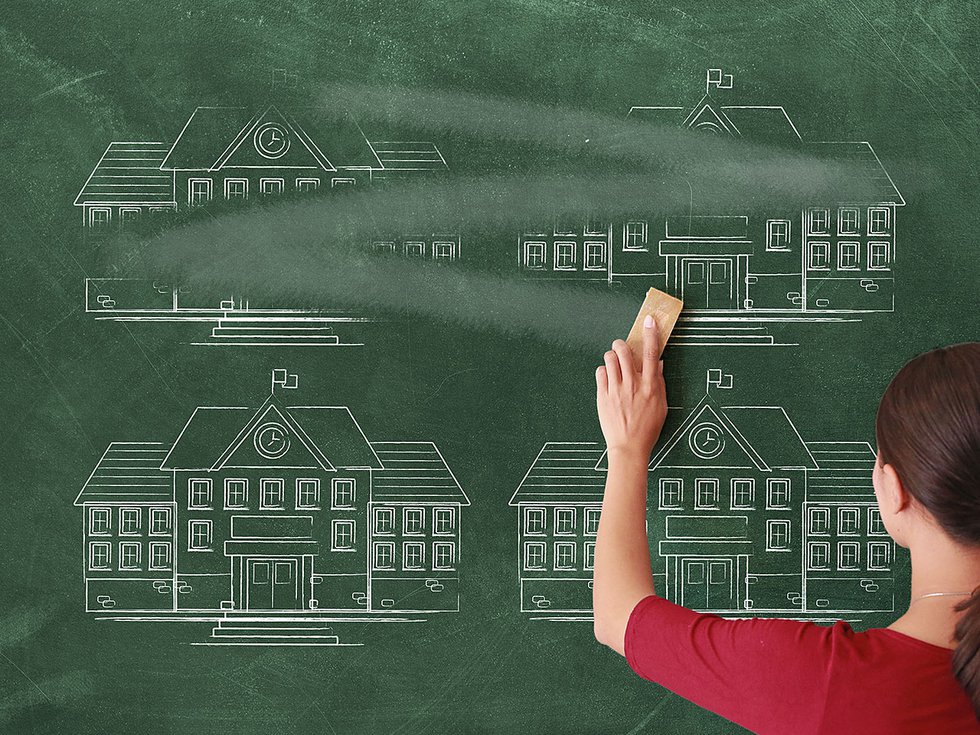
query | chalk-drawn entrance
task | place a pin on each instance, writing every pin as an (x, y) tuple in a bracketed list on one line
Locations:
[(273, 584), (707, 583), (708, 283)]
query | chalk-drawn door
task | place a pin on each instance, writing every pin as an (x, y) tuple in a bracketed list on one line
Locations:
[(708, 283), (706, 584), (273, 584)]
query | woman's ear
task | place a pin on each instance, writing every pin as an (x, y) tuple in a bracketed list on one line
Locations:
[(894, 501)]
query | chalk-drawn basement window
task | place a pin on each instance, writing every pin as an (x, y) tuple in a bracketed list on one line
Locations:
[(199, 493), (777, 234), (236, 493), (534, 255), (564, 555), (272, 494), (876, 526), (848, 221), (671, 493), (818, 221), (743, 493), (564, 255), (160, 556), (595, 256), (384, 521), (848, 555), (534, 555), (706, 494), (342, 494), (819, 521), (384, 555), (564, 521), (878, 256), (198, 191), (271, 186), (878, 221), (129, 556), (777, 493), (443, 555), (415, 249), (879, 553), (592, 521), (443, 521), (99, 556), (342, 535), (819, 256), (818, 555), (413, 555), (99, 521), (129, 521), (199, 535), (849, 521), (236, 189), (588, 557), (413, 520), (777, 535), (635, 235), (534, 519), (159, 521), (848, 256)]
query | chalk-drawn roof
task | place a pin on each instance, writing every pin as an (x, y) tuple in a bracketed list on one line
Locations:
[(860, 160), (563, 471), (129, 173), (758, 123), (844, 472), (771, 432), (129, 472), (414, 471), (399, 156)]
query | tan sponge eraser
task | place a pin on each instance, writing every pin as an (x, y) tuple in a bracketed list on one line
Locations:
[(665, 309)]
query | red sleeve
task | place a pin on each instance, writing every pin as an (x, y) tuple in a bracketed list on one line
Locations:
[(768, 675)]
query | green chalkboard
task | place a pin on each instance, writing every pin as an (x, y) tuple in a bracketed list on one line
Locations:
[(301, 307)]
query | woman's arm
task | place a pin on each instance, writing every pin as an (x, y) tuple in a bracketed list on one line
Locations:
[(632, 406)]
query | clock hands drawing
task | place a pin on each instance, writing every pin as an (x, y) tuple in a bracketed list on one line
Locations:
[(271, 140), (271, 440), (706, 440)]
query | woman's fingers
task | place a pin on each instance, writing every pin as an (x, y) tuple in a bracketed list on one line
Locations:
[(625, 363), (614, 375), (651, 351), (601, 381)]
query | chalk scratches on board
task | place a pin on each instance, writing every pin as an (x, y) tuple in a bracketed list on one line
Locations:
[(745, 518), (275, 524), (739, 274)]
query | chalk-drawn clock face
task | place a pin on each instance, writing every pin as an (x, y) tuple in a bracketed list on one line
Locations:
[(707, 440), (271, 140), (271, 440)]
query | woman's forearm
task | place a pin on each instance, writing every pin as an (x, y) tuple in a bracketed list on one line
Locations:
[(622, 575)]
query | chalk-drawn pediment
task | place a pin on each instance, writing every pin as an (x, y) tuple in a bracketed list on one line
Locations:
[(707, 439), (272, 440)]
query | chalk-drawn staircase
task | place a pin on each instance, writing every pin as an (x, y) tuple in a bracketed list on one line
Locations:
[(273, 329), (280, 630), (706, 333)]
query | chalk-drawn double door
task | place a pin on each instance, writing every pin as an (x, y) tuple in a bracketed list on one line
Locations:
[(708, 583)]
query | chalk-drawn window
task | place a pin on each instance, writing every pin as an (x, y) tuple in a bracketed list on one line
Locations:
[(706, 494), (199, 536), (777, 234), (564, 521), (236, 188), (129, 555), (564, 255), (848, 256), (272, 494), (99, 217), (534, 520), (443, 250), (199, 493), (818, 221), (819, 256), (848, 555), (99, 556), (99, 521), (342, 535), (384, 521), (443, 521), (236, 493), (413, 555), (588, 556), (443, 555), (341, 182), (128, 216), (596, 227), (129, 521), (671, 493), (878, 256), (743, 493), (849, 521), (159, 521), (819, 521), (534, 255), (592, 521), (565, 227), (534, 555), (595, 256), (415, 249), (198, 191), (306, 184), (413, 520), (878, 221), (818, 555), (342, 493), (384, 247), (848, 221), (160, 555), (777, 493), (875, 525), (879, 553), (564, 555), (777, 535), (384, 555), (271, 186), (635, 235)]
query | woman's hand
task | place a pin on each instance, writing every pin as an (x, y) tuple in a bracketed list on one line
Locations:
[(631, 399)]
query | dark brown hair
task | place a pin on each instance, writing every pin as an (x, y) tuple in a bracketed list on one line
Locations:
[(928, 429)]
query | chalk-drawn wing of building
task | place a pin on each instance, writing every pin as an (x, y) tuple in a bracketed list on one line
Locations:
[(744, 517), (227, 156), (278, 523), (830, 260)]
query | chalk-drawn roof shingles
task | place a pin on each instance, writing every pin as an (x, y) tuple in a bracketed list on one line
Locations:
[(414, 471), (129, 173), (129, 472), (565, 471)]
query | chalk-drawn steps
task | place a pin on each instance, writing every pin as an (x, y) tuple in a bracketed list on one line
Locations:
[(707, 334), (273, 631), (274, 330)]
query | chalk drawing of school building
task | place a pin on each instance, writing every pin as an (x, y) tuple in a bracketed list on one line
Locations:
[(833, 256), (745, 517), (276, 515)]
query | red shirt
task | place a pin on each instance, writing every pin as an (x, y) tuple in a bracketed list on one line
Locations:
[(781, 676)]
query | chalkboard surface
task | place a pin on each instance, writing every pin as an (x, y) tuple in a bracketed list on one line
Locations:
[(302, 304)]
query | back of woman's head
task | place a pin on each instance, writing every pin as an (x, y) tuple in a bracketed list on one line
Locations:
[(928, 429)]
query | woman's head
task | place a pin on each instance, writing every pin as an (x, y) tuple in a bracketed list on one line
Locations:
[(928, 472)]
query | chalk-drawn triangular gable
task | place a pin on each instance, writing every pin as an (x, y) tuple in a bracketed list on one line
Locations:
[(242, 453), (241, 151), (705, 115), (737, 451)]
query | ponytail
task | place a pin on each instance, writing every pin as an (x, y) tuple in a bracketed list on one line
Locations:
[(966, 657)]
